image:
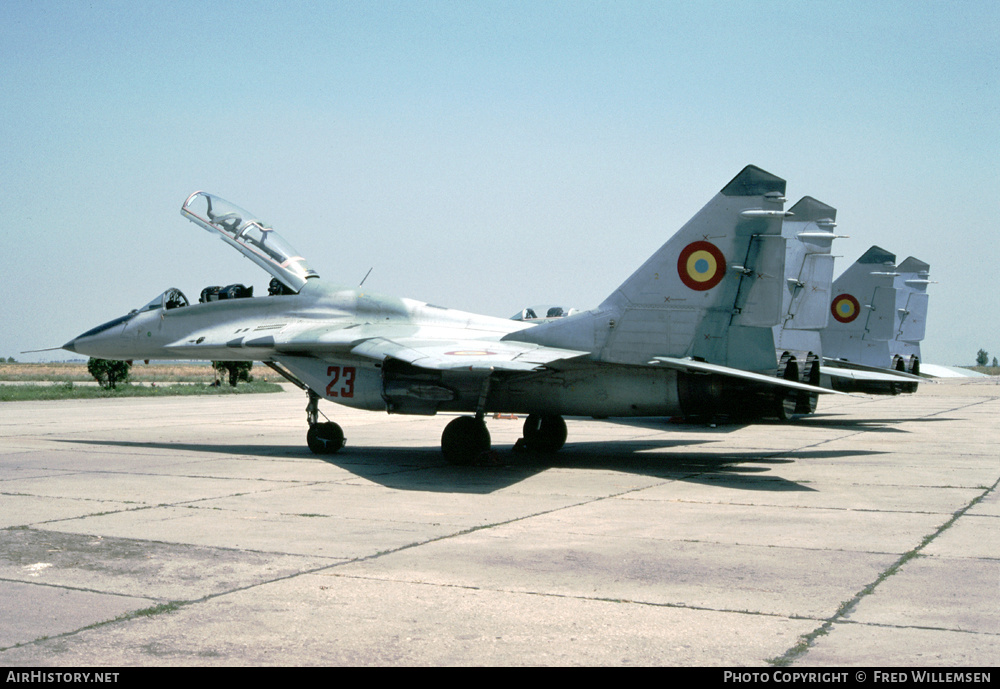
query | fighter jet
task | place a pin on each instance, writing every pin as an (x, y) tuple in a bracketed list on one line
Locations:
[(808, 237), (879, 311), (688, 333)]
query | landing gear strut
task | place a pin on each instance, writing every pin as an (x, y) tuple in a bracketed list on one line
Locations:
[(466, 439), (322, 438)]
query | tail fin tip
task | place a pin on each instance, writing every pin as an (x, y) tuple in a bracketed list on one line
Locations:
[(913, 265), (877, 254), (752, 181), (808, 209)]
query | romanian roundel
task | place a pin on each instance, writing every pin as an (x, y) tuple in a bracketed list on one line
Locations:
[(845, 308), (701, 266)]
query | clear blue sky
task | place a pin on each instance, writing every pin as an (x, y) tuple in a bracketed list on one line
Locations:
[(483, 155)]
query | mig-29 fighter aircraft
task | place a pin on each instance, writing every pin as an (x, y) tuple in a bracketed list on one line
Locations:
[(879, 314), (808, 237), (689, 333)]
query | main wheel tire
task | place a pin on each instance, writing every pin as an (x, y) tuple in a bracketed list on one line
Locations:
[(785, 401), (544, 432), (785, 404), (805, 403), (325, 438), (464, 439)]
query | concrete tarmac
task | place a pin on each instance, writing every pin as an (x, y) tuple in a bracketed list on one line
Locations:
[(201, 531)]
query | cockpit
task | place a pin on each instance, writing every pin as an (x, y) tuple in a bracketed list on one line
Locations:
[(542, 313), (250, 236), (173, 298), (255, 240)]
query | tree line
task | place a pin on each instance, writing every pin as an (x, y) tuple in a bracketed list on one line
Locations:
[(109, 373)]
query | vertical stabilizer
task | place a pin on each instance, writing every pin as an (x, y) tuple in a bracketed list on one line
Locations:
[(808, 265), (713, 291), (911, 313), (722, 269), (808, 237), (863, 311)]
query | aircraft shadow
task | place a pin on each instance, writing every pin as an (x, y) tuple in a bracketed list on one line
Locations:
[(423, 468), (668, 460), (810, 421), (873, 425)]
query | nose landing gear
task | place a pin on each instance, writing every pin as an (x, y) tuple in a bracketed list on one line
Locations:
[(323, 438)]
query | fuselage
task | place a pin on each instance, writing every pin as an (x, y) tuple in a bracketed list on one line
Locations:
[(243, 329), (267, 328)]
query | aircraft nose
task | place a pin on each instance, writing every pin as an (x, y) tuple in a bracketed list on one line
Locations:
[(101, 341)]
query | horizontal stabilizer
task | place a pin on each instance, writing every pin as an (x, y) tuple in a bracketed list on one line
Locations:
[(938, 371), (692, 366), (832, 365), (883, 376)]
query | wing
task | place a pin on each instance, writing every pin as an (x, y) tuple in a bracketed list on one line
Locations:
[(427, 347), (457, 354)]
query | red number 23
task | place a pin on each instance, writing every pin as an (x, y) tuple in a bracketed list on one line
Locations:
[(347, 387)]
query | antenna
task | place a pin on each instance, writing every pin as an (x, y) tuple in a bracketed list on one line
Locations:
[(366, 276)]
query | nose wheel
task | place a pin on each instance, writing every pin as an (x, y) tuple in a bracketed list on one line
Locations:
[(325, 438), (322, 438)]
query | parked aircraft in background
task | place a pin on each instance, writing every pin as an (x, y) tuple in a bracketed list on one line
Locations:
[(808, 237), (691, 332), (879, 314)]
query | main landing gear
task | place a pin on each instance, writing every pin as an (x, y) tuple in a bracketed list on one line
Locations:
[(322, 438), (543, 433), (466, 438)]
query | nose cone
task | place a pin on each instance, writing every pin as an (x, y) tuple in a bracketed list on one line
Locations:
[(104, 341)]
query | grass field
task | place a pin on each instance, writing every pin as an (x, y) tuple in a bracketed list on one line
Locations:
[(140, 373), (64, 381), (63, 391)]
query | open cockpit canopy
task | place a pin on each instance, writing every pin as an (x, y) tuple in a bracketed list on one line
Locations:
[(253, 238)]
